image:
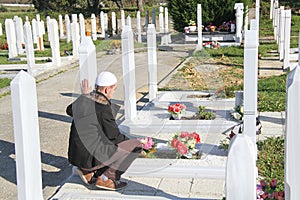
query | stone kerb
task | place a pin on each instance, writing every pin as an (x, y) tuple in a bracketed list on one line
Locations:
[(87, 60), (26, 134)]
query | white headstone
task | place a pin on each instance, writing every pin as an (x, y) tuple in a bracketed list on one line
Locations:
[(68, 28), (34, 32), (105, 22), (138, 24), (26, 134), (240, 169), (199, 24), (61, 27), (54, 42), (1, 31), (161, 20), (257, 7), (94, 28), (128, 65), (43, 27), (128, 19), (82, 26), (87, 60), (152, 62), (102, 23), (113, 23), (26, 19), (39, 32), (19, 34), (239, 20), (74, 18), (287, 37), (75, 38), (250, 83), (48, 29), (167, 25), (29, 47), (271, 8), (281, 33), (122, 19), (11, 38), (292, 136)]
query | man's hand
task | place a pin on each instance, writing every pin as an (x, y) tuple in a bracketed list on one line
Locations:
[(85, 87)]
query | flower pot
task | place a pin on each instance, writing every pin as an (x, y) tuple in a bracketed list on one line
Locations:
[(192, 28)]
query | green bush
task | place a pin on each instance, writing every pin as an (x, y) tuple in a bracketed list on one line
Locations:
[(213, 11)]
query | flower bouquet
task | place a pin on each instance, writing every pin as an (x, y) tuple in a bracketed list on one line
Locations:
[(265, 192), (176, 110), (148, 147), (184, 143)]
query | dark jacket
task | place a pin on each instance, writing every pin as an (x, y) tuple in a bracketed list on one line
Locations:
[(94, 134)]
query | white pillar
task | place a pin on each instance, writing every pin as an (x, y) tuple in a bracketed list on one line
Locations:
[(287, 37), (138, 24), (122, 19), (34, 32), (102, 24), (54, 42), (11, 38), (128, 65), (113, 23), (161, 19), (87, 60), (292, 136), (152, 62), (48, 29), (281, 33), (61, 27), (271, 9), (29, 47), (239, 21), (1, 31), (169, 40), (68, 28), (26, 134), (82, 26), (128, 20), (105, 22), (275, 23), (257, 6), (19, 34), (199, 24), (241, 184), (94, 27), (39, 32), (75, 38)]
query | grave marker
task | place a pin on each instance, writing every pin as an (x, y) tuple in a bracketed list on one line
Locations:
[(113, 23), (128, 19), (199, 24), (82, 26), (281, 33), (94, 28), (34, 32), (152, 62), (102, 24), (138, 24), (271, 8), (167, 25), (287, 37), (161, 19), (11, 38), (75, 38), (48, 29), (29, 47), (292, 137), (128, 66), (19, 34), (1, 31), (147, 19), (61, 27), (239, 21), (122, 19), (68, 28), (87, 60), (54, 42), (26, 134)]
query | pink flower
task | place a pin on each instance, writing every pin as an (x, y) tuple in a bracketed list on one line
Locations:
[(147, 142), (182, 149), (183, 134), (174, 143)]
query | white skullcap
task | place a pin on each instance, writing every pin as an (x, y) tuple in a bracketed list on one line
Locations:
[(106, 79)]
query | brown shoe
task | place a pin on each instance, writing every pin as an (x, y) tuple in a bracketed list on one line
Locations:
[(86, 177), (110, 184)]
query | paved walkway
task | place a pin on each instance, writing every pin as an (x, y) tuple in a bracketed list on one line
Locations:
[(56, 92)]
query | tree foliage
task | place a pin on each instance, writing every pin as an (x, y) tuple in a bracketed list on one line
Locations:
[(213, 11)]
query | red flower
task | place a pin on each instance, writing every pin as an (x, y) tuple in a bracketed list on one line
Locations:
[(263, 184), (176, 110), (183, 134), (175, 143), (196, 137)]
